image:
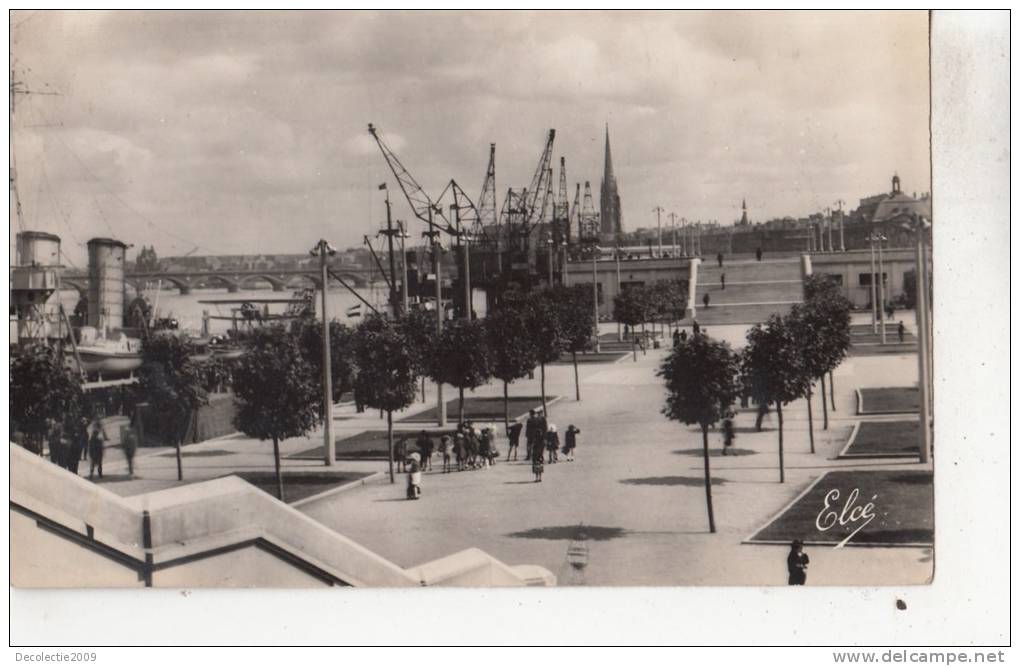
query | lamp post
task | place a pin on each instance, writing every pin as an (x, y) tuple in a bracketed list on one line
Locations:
[(616, 255), (551, 243), (433, 235), (842, 244), (874, 294), (595, 250), (403, 235), (324, 251), (658, 210), (881, 287)]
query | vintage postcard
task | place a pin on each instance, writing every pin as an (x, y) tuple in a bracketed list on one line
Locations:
[(470, 299)]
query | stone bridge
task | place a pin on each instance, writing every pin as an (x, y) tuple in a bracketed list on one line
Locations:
[(233, 280)]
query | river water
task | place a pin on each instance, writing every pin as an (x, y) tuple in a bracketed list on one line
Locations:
[(187, 309)]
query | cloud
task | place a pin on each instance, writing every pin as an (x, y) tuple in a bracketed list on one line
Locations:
[(241, 129)]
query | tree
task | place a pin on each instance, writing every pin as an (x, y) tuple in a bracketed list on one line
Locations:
[(808, 328), (701, 387), (386, 371), (172, 383), (631, 306), (575, 310), (43, 392), (512, 355), (823, 296), (669, 299), (341, 355), (545, 332), (462, 357), (773, 369), (277, 395), (418, 328)]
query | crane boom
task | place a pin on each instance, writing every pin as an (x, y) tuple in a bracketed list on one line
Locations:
[(539, 186), (423, 207), (487, 225)]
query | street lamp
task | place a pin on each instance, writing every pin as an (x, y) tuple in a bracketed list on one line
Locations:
[(324, 251), (595, 250)]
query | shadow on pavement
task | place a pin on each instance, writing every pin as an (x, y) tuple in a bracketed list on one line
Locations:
[(690, 481), (571, 533), (715, 453)]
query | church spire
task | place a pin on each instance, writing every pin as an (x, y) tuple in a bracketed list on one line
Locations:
[(608, 172), (609, 209), (743, 213)]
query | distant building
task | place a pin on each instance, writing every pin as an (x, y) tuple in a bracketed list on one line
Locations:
[(743, 215), (610, 214)]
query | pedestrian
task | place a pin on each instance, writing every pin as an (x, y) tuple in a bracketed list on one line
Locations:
[(537, 467), (695, 327), (552, 443), (901, 330), (400, 454), (79, 445), (484, 449), (129, 443), (676, 338), (570, 441), (460, 448), (445, 444), (719, 258), (683, 335), (705, 299), (797, 563), (757, 254), (763, 410), (728, 436), (890, 310), (425, 447), (513, 434), (722, 280), (531, 433), (96, 446), (493, 451), (55, 439)]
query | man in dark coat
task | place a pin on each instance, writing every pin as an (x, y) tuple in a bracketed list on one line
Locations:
[(757, 254), (705, 299), (718, 258), (96, 445), (533, 432), (425, 447), (797, 563)]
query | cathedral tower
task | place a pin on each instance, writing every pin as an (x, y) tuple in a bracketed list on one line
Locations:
[(610, 216)]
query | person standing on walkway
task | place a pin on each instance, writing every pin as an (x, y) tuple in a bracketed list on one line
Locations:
[(695, 327), (728, 436), (460, 449), (676, 338), (537, 467), (797, 563), (485, 449), (683, 335), (445, 444), (719, 258), (129, 443), (531, 433), (513, 434), (552, 443), (757, 254), (722, 280), (705, 299), (570, 441), (96, 445), (901, 330), (79, 445), (425, 447), (763, 411)]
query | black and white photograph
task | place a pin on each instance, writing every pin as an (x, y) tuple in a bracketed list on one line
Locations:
[(405, 299)]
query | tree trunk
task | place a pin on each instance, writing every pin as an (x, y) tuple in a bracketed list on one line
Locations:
[(423, 389), (779, 414), (708, 480), (545, 409), (633, 345), (811, 419), (276, 461), (577, 380), (460, 394), (177, 448), (389, 443), (506, 407), (832, 391), (825, 408)]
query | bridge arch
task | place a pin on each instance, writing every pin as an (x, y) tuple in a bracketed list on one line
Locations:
[(231, 286), (355, 280), (183, 284), (303, 279), (277, 283)]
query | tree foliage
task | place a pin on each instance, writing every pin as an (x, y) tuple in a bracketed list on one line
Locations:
[(341, 354), (418, 329), (511, 352), (462, 354), (386, 365), (43, 392), (545, 327), (275, 387), (173, 384), (702, 384), (575, 310)]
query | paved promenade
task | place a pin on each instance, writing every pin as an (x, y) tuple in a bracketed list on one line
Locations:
[(630, 509)]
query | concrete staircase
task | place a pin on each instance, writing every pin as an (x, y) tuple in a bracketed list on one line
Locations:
[(754, 290), (68, 532)]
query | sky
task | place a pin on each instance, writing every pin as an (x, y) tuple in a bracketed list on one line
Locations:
[(246, 132)]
